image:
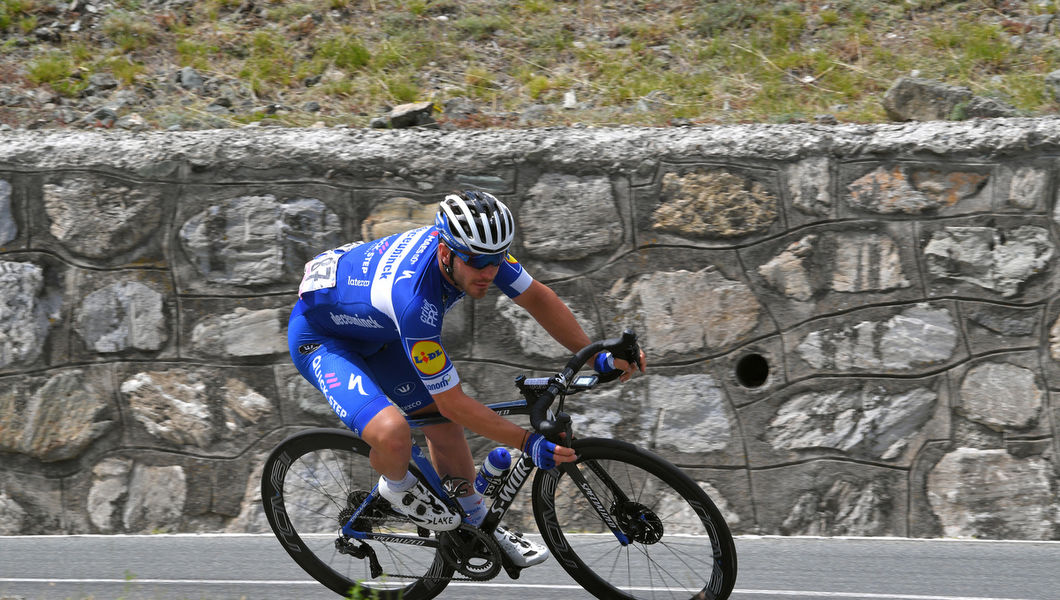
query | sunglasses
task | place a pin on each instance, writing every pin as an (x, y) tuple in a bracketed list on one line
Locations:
[(481, 261)]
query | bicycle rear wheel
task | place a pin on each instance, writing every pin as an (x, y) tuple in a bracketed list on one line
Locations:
[(310, 486), (680, 546)]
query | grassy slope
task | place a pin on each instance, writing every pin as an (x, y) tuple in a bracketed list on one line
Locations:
[(625, 61)]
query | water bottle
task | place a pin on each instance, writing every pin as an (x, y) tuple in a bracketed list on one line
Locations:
[(496, 464)]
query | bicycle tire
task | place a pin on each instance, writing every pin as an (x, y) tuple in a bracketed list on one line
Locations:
[(665, 513), (307, 482)]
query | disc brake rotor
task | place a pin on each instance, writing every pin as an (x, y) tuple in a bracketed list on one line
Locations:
[(638, 521)]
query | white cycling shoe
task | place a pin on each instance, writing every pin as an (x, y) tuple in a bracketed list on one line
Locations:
[(421, 506), (521, 551)]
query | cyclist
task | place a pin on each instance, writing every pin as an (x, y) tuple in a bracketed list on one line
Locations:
[(366, 331)]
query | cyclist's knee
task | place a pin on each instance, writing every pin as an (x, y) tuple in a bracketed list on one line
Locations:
[(388, 432)]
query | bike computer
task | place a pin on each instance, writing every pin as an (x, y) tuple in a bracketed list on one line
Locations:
[(583, 382)]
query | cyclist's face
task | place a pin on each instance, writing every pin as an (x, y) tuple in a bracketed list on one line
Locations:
[(474, 282)]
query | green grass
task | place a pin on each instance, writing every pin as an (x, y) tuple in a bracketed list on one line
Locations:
[(722, 61)]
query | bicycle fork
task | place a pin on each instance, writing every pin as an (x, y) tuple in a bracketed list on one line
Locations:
[(583, 485)]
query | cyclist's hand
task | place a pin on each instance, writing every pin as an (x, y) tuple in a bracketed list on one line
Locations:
[(628, 368), (545, 454)]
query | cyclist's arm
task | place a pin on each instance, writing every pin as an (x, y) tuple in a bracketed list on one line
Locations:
[(553, 314), (460, 408)]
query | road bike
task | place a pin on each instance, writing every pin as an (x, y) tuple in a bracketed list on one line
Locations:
[(621, 520)]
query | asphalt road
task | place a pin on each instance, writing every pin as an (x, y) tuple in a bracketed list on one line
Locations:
[(223, 567)]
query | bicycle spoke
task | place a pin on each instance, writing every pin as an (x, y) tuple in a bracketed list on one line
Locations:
[(313, 480), (673, 551)]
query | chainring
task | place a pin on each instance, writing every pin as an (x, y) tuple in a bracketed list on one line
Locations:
[(471, 551)]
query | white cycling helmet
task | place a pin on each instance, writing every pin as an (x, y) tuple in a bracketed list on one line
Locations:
[(473, 222)]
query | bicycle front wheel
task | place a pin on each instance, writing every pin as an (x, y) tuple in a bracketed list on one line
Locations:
[(310, 486), (677, 543)]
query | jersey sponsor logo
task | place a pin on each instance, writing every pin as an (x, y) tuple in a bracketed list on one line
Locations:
[(387, 268), (429, 314), (440, 384), (305, 349), (324, 382), (422, 248), (355, 384), (350, 281), (380, 247), (367, 322), (511, 259), (405, 389), (428, 357), (406, 274)]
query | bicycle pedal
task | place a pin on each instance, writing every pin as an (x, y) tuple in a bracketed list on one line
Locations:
[(423, 531), (512, 570)]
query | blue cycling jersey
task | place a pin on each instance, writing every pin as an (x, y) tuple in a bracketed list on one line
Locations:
[(389, 291)]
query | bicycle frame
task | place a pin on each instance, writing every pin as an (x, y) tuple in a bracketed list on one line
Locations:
[(513, 482), (507, 489)]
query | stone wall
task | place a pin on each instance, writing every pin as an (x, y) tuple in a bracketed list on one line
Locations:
[(852, 330)]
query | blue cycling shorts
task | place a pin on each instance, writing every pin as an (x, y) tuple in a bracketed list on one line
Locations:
[(358, 378)]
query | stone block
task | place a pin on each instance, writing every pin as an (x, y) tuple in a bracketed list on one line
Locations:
[(32, 504), (1049, 348), (991, 327), (681, 413), (876, 419), (129, 314), (1004, 392), (833, 268), (896, 340), (1025, 187), (923, 523), (831, 498), (730, 490), (57, 415), (10, 214), (992, 494), (257, 239), (903, 189), (397, 214), (107, 220), (810, 186), (685, 304), (709, 206), (150, 492), (998, 258), (201, 410), (251, 329), (569, 217), (33, 330)]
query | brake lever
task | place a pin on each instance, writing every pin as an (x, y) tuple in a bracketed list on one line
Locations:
[(627, 348)]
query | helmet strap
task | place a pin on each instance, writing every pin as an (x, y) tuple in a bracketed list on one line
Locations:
[(447, 267)]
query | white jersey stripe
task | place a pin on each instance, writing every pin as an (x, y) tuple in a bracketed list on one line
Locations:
[(522, 282), (386, 273)]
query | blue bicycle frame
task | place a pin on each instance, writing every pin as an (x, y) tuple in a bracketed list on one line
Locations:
[(516, 477)]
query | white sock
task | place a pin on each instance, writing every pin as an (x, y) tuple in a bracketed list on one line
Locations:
[(475, 507), (401, 485)]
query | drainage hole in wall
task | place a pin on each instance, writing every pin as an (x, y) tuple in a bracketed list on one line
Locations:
[(752, 370)]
